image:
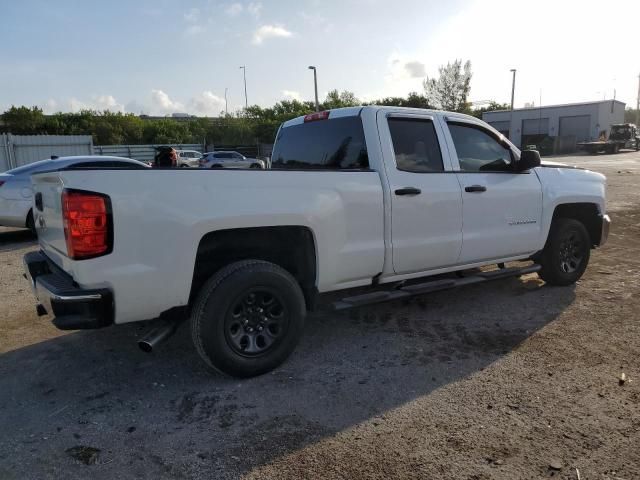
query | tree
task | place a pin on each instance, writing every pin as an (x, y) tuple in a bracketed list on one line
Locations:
[(451, 89), (477, 112), (337, 99), (23, 120), (413, 100), (630, 115)]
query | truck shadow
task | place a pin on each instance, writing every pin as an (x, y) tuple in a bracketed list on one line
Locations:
[(165, 416), (12, 239)]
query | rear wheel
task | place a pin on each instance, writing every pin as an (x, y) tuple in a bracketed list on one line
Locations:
[(248, 318), (566, 254), (255, 165)]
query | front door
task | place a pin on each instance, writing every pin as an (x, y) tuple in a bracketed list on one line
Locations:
[(501, 208), (426, 203)]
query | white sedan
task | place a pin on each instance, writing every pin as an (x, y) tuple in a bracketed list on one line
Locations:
[(15, 185)]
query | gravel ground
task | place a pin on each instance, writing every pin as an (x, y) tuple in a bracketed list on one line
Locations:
[(510, 379)]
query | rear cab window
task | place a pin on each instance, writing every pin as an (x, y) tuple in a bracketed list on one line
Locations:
[(325, 144), (415, 145)]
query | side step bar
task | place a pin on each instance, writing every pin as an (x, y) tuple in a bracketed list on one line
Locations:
[(432, 286)]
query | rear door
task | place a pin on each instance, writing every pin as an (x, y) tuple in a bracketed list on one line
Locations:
[(501, 208), (426, 203)]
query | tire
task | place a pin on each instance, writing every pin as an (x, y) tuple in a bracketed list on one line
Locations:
[(255, 165), (248, 318), (566, 254), (31, 224), (217, 165), (184, 165)]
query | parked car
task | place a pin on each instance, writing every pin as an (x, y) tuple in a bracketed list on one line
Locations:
[(393, 201), (188, 158), (229, 159), (16, 197)]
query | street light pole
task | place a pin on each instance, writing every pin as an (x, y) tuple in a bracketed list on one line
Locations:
[(226, 105), (638, 104), (513, 91), (513, 87), (244, 72), (315, 85)]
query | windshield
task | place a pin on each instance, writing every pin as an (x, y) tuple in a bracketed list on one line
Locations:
[(28, 168), (619, 132)]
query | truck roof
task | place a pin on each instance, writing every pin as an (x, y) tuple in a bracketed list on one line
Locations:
[(355, 111)]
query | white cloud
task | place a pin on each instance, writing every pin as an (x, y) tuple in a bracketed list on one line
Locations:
[(97, 102), (316, 21), (254, 8), (162, 104), (270, 31), (404, 74), (107, 102), (291, 95), (234, 9), (192, 30), (415, 69), (192, 16), (50, 106), (207, 104)]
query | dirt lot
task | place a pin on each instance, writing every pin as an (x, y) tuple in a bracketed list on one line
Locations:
[(511, 379)]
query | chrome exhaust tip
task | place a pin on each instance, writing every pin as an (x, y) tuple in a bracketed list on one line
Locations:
[(156, 336)]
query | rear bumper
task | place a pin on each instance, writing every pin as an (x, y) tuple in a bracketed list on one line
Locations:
[(606, 224), (69, 306)]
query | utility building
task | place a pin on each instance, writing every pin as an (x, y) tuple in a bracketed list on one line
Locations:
[(560, 126)]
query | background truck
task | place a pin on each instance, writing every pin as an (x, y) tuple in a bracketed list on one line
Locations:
[(363, 202), (622, 136)]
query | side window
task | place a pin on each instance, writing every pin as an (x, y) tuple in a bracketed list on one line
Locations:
[(415, 145), (237, 155), (479, 151), (329, 144)]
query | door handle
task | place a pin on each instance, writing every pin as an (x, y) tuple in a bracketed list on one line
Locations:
[(475, 188), (408, 191)]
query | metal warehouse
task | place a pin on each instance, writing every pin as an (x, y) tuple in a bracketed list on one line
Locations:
[(559, 126)]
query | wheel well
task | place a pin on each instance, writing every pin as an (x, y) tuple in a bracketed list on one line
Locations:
[(586, 213), (290, 247)]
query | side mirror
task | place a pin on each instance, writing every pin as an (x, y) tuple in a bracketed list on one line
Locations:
[(528, 159)]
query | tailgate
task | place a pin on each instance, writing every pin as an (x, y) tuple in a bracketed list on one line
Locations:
[(47, 209)]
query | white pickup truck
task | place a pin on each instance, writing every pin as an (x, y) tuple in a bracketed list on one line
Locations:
[(372, 198)]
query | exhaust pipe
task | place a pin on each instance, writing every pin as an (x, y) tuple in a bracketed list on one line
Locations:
[(156, 336)]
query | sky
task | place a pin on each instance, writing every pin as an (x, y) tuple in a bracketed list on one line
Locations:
[(164, 56)]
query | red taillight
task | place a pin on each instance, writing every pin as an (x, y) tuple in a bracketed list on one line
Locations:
[(312, 117), (87, 224)]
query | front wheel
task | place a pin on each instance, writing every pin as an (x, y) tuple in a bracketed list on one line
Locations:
[(566, 253), (248, 318)]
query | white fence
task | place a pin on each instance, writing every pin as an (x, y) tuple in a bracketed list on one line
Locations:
[(17, 150), (143, 153)]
